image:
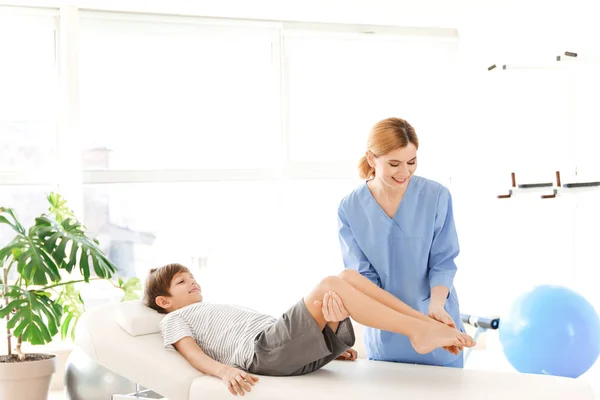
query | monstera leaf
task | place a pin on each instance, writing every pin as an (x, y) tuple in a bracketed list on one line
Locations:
[(68, 245), (131, 288), (27, 250), (58, 207), (33, 315), (73, 307)]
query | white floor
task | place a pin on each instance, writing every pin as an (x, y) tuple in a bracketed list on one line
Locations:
[(58, 396)]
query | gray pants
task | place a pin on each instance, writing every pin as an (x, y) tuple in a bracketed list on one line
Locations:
[(294, 344)]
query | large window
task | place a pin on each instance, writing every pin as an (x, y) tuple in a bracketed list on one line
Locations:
[(28, 91), (160, 95), (28, 113)]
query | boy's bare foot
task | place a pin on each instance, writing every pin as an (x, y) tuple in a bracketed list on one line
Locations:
[(431, 336)]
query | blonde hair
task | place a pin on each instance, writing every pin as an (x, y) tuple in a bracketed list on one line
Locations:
[(387, 135)]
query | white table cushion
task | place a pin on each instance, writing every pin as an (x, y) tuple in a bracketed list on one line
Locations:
[(364, 379)]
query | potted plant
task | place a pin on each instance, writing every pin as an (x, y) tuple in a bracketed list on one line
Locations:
[(48, 262)]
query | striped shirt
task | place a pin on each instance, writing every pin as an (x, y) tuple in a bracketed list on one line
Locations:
[(224, 332)]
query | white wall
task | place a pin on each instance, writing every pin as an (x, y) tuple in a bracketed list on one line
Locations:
[(543, 235)]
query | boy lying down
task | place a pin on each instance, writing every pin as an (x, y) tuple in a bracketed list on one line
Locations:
[(232, 342)]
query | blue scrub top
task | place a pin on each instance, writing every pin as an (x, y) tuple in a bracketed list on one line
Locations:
[(406, 255)]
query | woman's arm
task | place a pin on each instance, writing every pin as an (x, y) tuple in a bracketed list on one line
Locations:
[(439, 294), (235, 379), (444, 249), (352, 255)]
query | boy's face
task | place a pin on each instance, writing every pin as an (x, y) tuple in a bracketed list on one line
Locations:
[(184, 291)]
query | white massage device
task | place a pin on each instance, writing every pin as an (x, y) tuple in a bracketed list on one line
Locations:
[(125, 338)]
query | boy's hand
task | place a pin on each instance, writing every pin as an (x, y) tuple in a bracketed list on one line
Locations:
[(349, 355), (238, 381), (332, 307)]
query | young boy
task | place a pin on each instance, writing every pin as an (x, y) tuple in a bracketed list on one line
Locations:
[(228, 341)]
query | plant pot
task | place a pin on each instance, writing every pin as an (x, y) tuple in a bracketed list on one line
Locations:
[(29, 379)]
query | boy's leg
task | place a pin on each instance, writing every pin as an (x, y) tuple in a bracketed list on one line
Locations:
[(370, 289), (375, 292), (296, 345), (425, 336), (336, 343)]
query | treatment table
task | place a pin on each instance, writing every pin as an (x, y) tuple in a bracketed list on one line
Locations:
[(125, 338)]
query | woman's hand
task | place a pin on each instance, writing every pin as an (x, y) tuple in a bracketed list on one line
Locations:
[(439, 314), (237, 381)]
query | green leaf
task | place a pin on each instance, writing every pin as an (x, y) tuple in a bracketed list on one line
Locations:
[(84, 250), (15, 304), (99, 271), (37, 316), (17, 223), (50, 242), (50, 265), (60, 253), (8, 250), (72, 303), (19, 315), (42, 328), (84, 265), (58, 207), (72, 258), (52, 314), (33, 262), (4, 220), (22, 264), (132, 289), (64, 329), (33, 335)]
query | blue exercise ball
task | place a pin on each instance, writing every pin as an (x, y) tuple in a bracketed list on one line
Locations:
[(551, 330)]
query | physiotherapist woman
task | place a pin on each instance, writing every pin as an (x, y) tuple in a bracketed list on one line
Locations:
[(397, 229)]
